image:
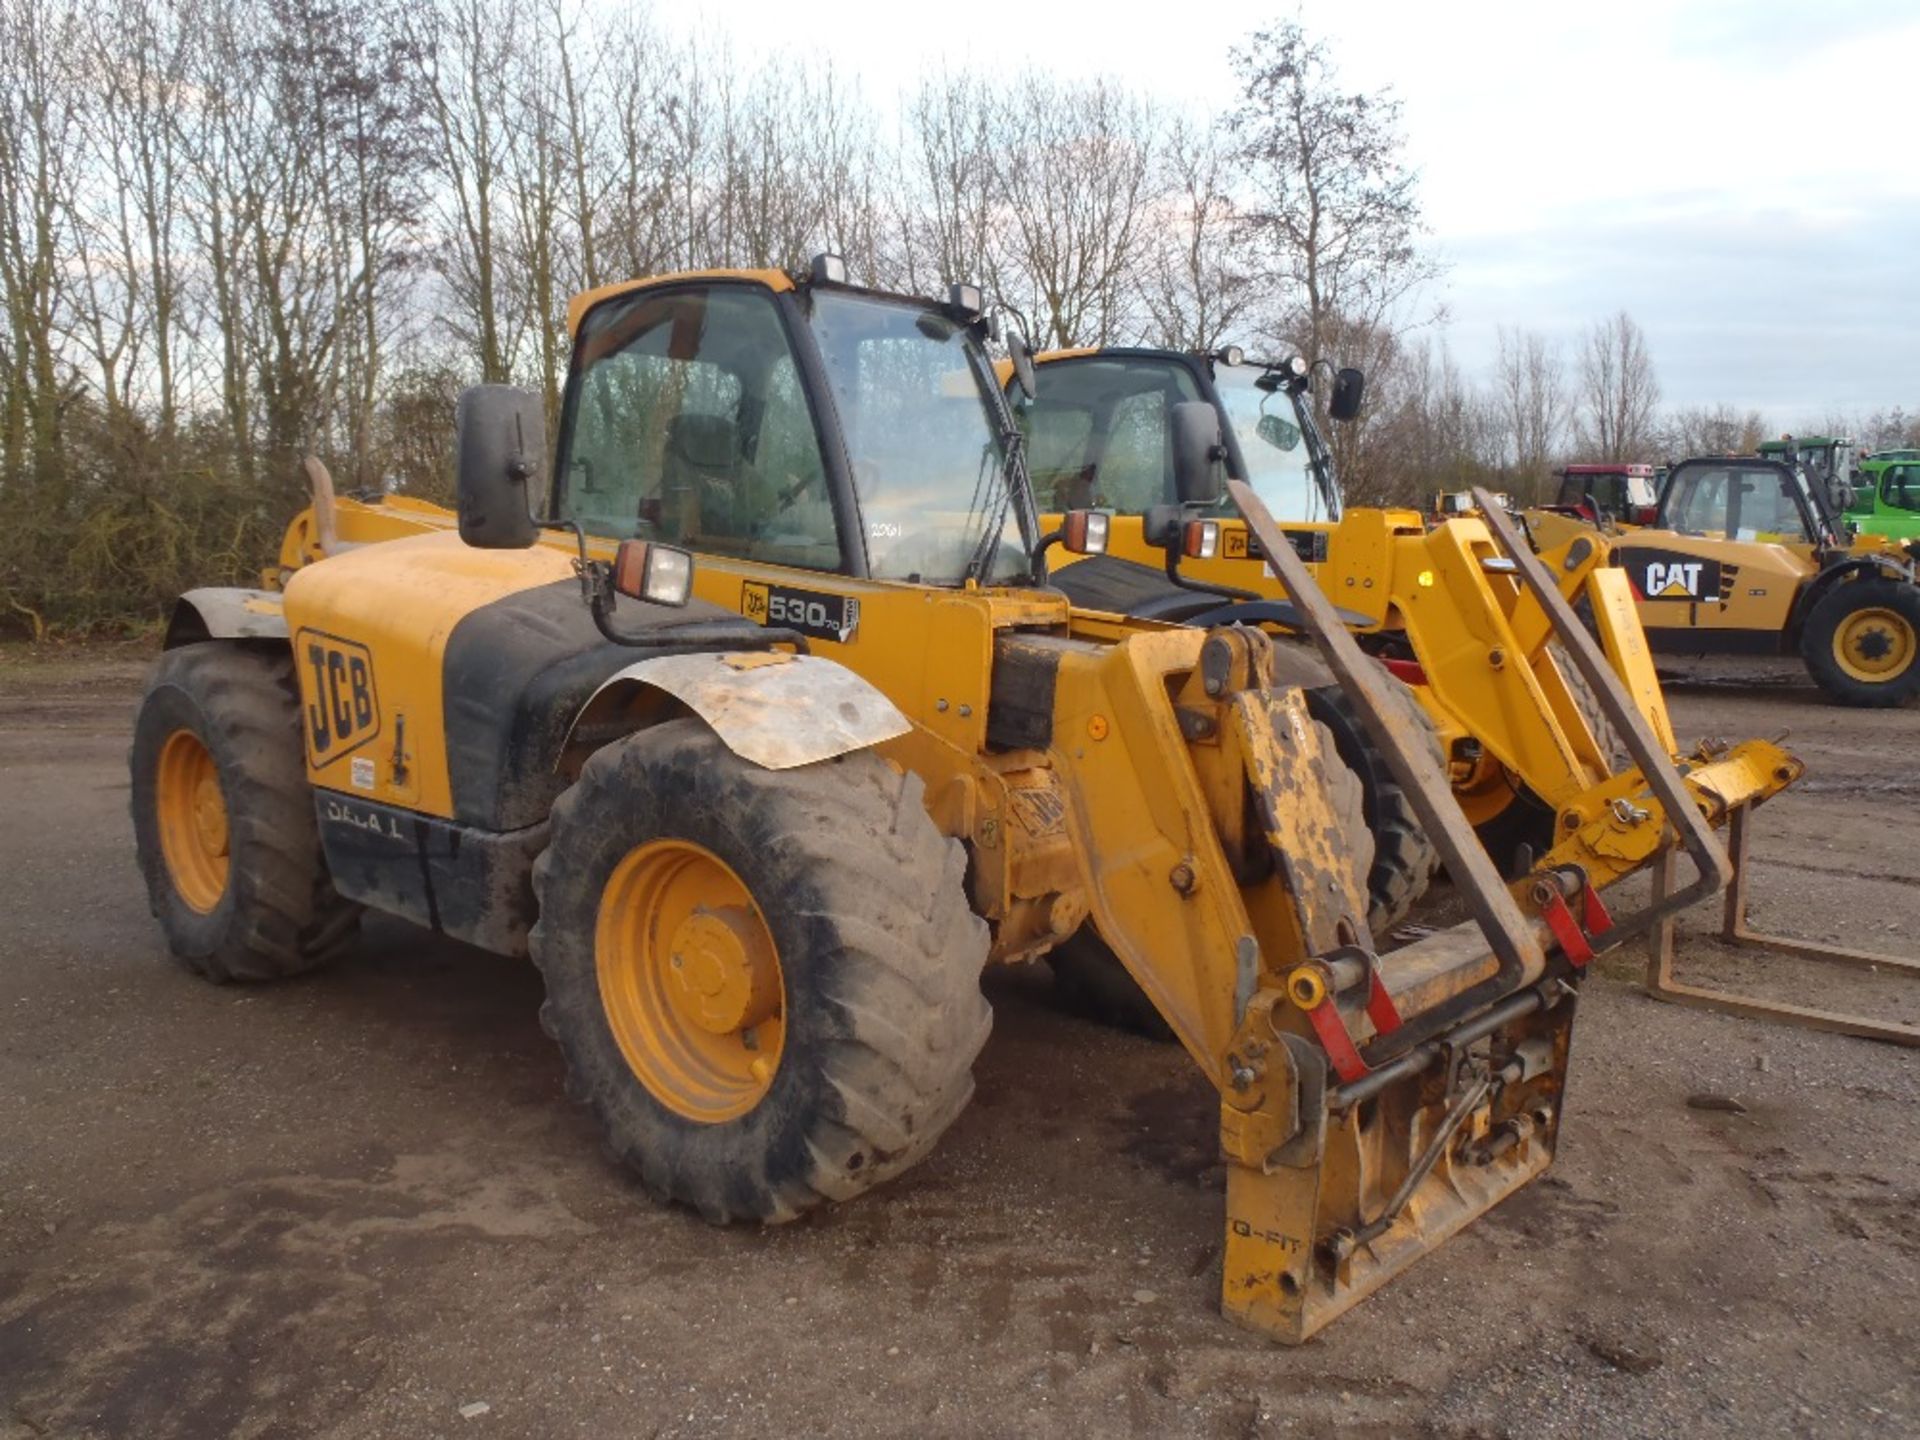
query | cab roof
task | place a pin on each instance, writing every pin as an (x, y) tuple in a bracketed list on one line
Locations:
[(577, 307)]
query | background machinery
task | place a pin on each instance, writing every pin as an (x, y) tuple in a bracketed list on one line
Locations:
[(1619, 495), (1528, 744), (1886, 497), (1747, 556), (753, 720)]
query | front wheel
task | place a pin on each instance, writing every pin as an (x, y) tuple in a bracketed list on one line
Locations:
[(1862, 642), (223, 818), (766, 983)]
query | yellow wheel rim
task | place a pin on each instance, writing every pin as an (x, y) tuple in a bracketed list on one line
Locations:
[(1874, 644), (690, 980), (194, 834)]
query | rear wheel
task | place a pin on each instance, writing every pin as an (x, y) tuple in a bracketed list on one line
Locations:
[(1862, 642), (223, 818), (766, 984)]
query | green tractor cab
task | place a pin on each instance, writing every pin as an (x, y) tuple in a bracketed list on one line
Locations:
[(1886, 500)]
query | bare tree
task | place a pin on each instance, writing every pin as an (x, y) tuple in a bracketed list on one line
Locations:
[(467, 52), (1530, 398), (1335, 208), (39, 154), (1197, 284), (1072, 166), (1618, 391), (1711, 430), (946, 229)]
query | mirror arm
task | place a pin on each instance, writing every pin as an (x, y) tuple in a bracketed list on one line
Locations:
[(1203, 587), (692, 638)]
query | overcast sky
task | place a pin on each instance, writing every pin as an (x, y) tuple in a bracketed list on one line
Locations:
[(1742, 176)]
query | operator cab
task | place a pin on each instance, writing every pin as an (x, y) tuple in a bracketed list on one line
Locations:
[(1622, 492), (1101, 432), (796, 422), (1743, 498)]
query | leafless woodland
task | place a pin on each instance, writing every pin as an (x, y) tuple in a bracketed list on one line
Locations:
[(236, 231)]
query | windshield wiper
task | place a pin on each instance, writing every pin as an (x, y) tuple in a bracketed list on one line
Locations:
[(980, 563)]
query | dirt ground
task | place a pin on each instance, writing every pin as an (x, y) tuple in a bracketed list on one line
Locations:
[(358, 1205)]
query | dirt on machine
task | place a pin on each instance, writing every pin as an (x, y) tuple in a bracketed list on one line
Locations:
[(749, 713)]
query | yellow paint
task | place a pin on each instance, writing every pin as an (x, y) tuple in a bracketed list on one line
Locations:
[(1874, 645), (690, 980), (577, 307), (401, 600), (194, 829)]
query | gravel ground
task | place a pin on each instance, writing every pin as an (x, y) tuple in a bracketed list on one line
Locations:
[(358, 1204)]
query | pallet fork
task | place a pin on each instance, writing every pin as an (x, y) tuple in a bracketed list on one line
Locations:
[(1660, 981), (1377, 1104), (1734, 931)]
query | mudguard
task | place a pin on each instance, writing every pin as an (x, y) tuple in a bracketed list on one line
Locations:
[(226, 613), (774, 709)]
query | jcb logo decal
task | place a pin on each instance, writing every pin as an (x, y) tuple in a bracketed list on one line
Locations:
[(342, 709)]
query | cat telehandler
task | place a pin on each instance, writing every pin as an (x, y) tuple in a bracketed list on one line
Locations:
[(753, 720), (1748, 555)]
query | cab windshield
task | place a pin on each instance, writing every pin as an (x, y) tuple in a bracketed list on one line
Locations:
[(915, 397), (1265, 424), (1737, 503), (1100, 434)]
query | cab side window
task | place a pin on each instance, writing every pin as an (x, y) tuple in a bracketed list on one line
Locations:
[(1137, 469), (1699, 504), (1902, 487), (686, 422)]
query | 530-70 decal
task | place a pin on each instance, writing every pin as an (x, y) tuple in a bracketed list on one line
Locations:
[(342, 710), (819, 613)]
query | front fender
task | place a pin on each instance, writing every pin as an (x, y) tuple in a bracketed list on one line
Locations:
[(776, 710), (226, 613), (1859, 567)]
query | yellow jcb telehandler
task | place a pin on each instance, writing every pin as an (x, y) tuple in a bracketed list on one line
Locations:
[(1532, 756), (1535, 757), (760, 817)]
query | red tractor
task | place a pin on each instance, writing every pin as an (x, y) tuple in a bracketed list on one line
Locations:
[(1623, 494)]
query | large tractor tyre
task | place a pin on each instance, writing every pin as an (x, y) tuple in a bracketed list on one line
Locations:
[(765, 983), (1519, 834), (1090, 980), (1862, 642), (1586, 700), (223, 818), (1404, 859)]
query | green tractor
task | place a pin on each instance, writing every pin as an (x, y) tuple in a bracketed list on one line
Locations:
[(1832, 463), (1886, 498)]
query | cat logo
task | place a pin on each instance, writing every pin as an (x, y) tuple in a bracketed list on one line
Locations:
[(1665, 575), (1674, 580), (336, 681)]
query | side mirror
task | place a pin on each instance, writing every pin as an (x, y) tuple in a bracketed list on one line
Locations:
[(1277, 432), (1021, 353), (1349, 389), (1196, 452), (500, 459)]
